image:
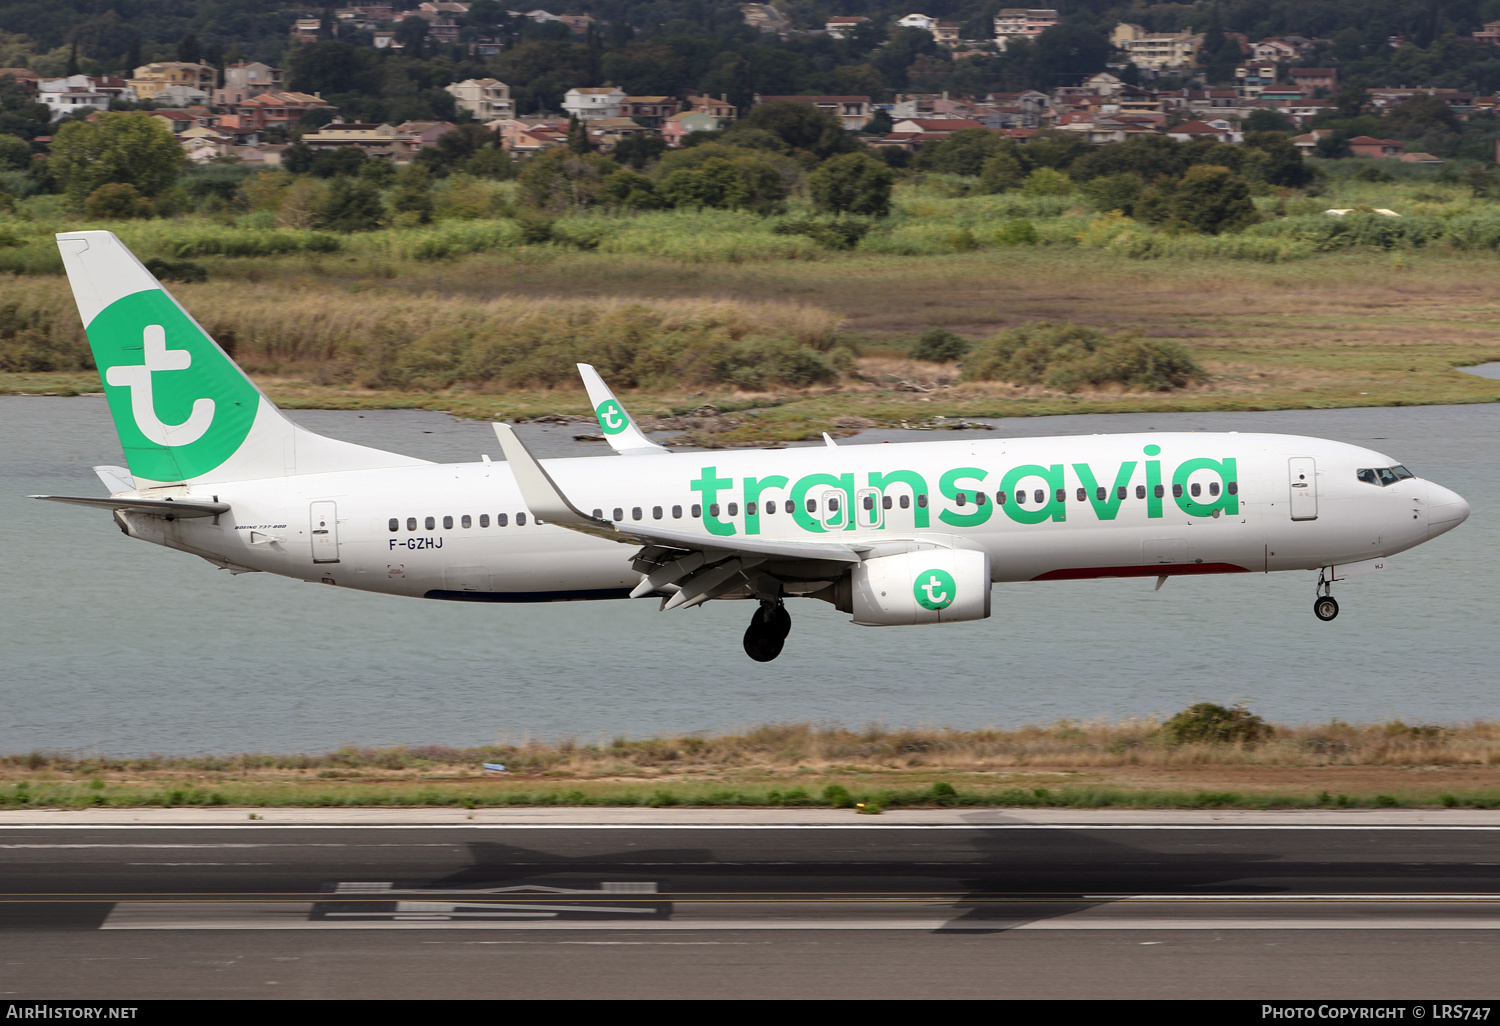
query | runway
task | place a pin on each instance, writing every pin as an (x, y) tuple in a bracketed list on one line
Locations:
[(950, 905)]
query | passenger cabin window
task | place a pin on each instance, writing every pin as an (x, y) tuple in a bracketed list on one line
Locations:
[(619, 514), (431, 524), (959, 500), (713, 509), (749, 509), (520, 519), (635, 513), (979, 498), (598, 514), (655, 512), (447, 523), (734, 509), (1233, 488), (395, 524), (1121, 493), (1160, 491), (789, 506), (1195, 490), (812, 505), (467, 521), (1000, 498), (676, 512), (906, 502), (1177, 491), (922, 501), (1213, 488), (1140, 491), (697, 511), (885, 502), (1083, 495), (770, 507), (501, 520), (1020, 496), (1062, 495), (868, 502), (484, 520), (411, 523), (1039, 495)]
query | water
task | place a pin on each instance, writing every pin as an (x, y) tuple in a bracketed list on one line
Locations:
[(118, 647), (1484, 370)]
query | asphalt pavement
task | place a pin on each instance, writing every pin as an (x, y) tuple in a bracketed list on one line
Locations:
[(677, 903)]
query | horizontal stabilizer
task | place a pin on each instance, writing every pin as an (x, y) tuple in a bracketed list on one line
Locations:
[(116, 479), (172, 509)]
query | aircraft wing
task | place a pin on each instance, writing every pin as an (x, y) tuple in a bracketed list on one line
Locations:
[(171, 509), (703, 566)]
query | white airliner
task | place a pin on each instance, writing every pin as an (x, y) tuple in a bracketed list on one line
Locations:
[(891, 534)]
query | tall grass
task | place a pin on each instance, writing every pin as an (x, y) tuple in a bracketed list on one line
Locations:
[(400, 340)]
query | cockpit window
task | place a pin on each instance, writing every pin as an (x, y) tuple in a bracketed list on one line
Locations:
[(1383, 476)]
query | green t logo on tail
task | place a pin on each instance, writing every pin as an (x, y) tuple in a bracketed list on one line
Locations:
[(935, 589), (181, 407), (611, 418)]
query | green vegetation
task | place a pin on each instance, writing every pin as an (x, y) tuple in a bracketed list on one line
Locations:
[(1208, 756), (1065, 358)]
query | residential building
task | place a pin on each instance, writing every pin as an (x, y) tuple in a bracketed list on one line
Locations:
[(945, 33), (579, 24), (916, 21), (374, 140), (1366, 146), (1310, 80), (679, 126), (649, 110), (1490, 34), (278, 109), (65, 96), (1023, 23), (487, 99), (182, 96), (765, 17), (720, 108), (1218, 130), (843, 28), (592, 102), (1157, 51), (244, 80), (424, 133), (854, 112), (29, 80), (604, 133), (151, 79), (531, 135), (386, 41), (1273, 50), (306, 30), (1253, 77), (442, 20)]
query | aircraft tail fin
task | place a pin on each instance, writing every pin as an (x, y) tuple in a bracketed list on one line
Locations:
[(184, 410)]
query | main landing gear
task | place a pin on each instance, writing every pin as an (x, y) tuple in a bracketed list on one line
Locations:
[(767, 631), (1325, 606)]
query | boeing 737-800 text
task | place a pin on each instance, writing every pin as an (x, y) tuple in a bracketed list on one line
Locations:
[(891, 534)]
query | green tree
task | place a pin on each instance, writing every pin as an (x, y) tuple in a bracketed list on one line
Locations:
[(964, 152), (117, 201), (1272, 157), (1213, 200), (559, 181), (1113, 192), (1264, 119), (351, 206), (413, 193), (578, 137), (1001, 173), (1413, 117), (15, 153), (800, 125), (131, 147), (629, 190), (1333, 147), (853, 183), (638, 150), (1044, 181)]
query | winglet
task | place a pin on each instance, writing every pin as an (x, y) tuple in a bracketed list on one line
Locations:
[(540, 493), (619, 430)]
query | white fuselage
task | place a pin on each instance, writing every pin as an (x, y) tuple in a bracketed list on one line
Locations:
[(1248, 503)]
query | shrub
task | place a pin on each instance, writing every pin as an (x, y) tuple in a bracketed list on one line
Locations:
[(852, 184), (1207, 723), (937, 345), (1067, 357), (178, 270), (1044, 181), (838, 796), (828, 234), (118, 201)]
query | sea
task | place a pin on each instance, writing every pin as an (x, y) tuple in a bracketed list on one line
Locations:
[(114, 647)]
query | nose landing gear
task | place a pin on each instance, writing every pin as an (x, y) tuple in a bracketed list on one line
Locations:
[(1325, 606), (767, 632)]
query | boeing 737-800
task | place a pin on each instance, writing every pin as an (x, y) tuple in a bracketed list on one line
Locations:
[(892, 534)]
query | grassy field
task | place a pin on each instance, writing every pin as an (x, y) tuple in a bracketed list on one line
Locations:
[(461, 316), (1133, 764)]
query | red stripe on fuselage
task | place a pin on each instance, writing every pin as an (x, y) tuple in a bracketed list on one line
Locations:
[(1159, 570)]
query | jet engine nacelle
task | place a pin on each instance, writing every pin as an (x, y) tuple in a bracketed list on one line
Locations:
[(923, 586)]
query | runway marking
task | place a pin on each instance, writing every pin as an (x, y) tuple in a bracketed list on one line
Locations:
[(1138, 912)]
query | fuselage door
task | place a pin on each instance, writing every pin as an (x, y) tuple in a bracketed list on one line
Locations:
[(325, 532), (867, 508), (831, 510), (1304, 486)]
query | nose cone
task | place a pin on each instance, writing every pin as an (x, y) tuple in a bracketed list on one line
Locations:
[(1445, 510)]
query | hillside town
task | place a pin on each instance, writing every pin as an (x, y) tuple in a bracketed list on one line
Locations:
[(1153, 83)]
